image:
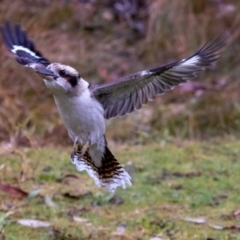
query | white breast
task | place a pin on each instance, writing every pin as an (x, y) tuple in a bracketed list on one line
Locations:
[(83, 117)]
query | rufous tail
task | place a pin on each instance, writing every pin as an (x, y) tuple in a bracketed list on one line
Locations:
[(109, 175)]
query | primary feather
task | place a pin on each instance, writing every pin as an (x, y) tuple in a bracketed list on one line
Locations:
[(129, 93)]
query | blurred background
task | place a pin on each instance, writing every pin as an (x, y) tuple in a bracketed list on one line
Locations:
[(108, 39)]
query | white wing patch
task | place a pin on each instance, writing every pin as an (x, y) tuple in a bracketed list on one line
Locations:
[(192, 61), (143, 73), (21, 48), (120, 180)]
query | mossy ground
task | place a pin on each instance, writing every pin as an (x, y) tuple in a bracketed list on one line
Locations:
[(171, 182)]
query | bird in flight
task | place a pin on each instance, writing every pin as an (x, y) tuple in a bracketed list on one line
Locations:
[(84, 106)]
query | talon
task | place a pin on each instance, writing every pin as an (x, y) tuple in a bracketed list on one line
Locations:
[(78, 152), (85, 148)]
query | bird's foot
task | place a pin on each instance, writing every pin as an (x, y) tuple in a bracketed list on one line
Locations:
[(78, 152), (85, 148)]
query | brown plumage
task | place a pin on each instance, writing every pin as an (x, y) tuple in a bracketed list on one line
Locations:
[(107, 175)]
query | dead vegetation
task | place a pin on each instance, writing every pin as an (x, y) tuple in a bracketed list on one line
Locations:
[(104, 44)]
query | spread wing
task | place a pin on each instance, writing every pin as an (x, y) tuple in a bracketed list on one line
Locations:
[(17, 42), (129, 93)]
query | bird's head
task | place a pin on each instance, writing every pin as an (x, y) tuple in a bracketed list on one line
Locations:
[(59, 77)]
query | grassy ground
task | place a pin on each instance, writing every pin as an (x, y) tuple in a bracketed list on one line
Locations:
[(174, 187)]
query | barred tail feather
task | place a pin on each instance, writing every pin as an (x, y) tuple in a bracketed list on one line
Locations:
[(110, 175)]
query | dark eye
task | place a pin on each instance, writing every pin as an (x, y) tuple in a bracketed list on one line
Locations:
[(62, 73)]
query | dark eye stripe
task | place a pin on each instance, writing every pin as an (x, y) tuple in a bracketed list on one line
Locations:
[(73, 80)]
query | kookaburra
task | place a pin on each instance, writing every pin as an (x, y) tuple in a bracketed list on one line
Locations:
[(84, 107)]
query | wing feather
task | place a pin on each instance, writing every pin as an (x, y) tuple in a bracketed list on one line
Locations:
[(17, 42), (129, 93)]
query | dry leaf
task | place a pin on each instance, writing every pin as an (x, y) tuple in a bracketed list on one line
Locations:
[(156, 238), (76, 195), (49, 202), (2, 166), (33, 223), (79, 219), (236, 213), (217, 227), (195, 220), (34, 193), (68, 177), (122, 227), (13, 191)]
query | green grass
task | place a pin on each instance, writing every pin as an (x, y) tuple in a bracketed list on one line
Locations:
[(170, 183)]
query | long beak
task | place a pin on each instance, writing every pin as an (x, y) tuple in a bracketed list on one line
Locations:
[(46, 72)]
